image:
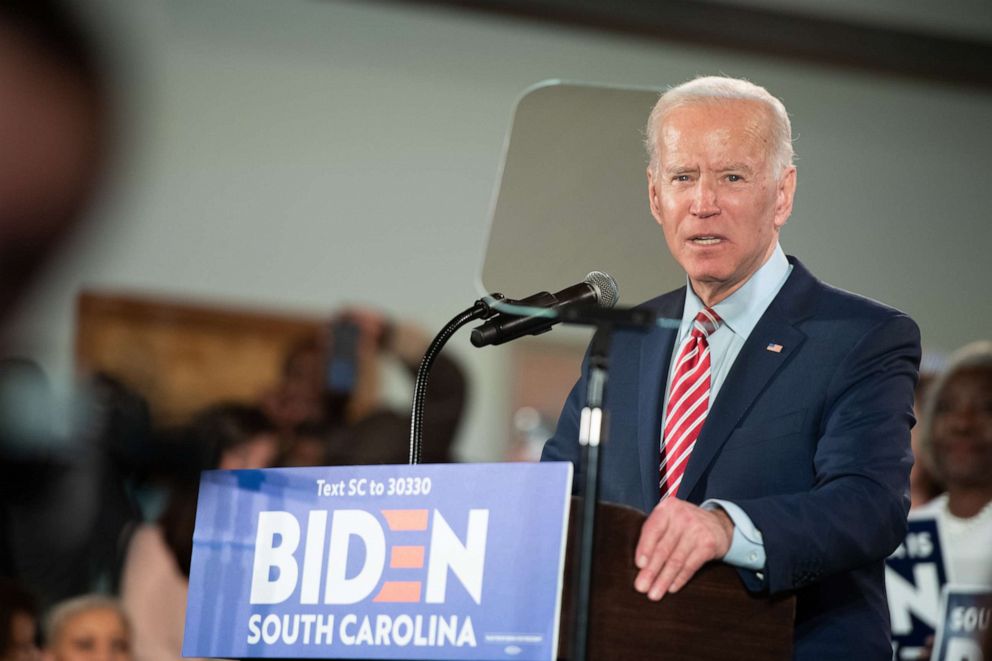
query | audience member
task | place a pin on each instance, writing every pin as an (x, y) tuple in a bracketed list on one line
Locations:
[(307, 446), (330, 391), (18, 623), (156, 568), (957, 437), (87, 628)]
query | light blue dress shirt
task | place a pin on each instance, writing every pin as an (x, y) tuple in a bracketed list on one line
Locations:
[(740, 313)]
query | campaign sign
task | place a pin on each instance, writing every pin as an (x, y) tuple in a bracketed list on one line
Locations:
[(966, 613), (914, 575), (453, 561)]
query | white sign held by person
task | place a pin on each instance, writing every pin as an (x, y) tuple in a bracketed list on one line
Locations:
[(914, 576), (966, 614)]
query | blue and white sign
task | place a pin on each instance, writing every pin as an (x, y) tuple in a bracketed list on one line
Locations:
[(914, 576), (966, 614), (453, 561)]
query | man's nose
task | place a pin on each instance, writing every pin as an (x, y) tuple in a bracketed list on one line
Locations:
[(704, 200)]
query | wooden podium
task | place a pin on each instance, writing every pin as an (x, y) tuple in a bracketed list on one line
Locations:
[(713, 617)]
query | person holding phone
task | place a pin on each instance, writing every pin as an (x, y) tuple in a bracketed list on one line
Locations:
[(329, 405)]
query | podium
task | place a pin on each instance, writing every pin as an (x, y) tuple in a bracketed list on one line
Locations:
[(712, 617)]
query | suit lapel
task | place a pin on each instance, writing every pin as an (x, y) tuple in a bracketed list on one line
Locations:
[(656, 356), (773, 340), (754, 368)]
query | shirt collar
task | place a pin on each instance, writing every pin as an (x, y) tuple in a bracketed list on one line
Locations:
[(741, 310)]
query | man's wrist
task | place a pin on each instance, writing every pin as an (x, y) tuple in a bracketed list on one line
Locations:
[(747, 547), (727, 526)]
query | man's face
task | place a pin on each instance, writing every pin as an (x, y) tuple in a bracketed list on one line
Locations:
[(716, 194)]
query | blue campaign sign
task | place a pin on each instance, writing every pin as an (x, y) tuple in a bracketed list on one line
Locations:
[(453, 561), (914, 576), (966, 613)]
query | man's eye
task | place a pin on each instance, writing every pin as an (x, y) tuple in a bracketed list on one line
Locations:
[(734, 177), (681, 177)]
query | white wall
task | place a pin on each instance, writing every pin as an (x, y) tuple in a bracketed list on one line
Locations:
[(303, 155)]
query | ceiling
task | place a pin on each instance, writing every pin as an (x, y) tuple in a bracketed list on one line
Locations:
[(949, 41)]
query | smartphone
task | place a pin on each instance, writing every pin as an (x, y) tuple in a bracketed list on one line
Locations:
[(342, 362)]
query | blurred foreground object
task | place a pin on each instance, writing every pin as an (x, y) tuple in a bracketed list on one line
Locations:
[(53, 135)]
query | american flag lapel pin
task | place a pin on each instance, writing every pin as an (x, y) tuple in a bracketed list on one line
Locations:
[(774, 348)]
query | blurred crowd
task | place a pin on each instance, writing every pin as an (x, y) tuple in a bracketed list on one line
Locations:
[(112, 509)]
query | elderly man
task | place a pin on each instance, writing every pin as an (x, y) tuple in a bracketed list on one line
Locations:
[(771, 429)]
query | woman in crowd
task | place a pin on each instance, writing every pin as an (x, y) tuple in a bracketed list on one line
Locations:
[(155, 580), (87, 628), (957, 437)]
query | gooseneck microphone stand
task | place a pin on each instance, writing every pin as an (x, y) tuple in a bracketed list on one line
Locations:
[(481, 309)]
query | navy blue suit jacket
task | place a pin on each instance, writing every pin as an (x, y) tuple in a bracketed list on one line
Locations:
[(811, 441)]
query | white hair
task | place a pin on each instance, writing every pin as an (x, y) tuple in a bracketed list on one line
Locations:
[(976, 355), (60, 615), (717, 89)]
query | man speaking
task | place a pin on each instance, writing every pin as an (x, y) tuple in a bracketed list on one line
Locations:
[(771, 429)]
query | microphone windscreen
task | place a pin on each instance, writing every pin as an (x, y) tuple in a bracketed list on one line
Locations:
[(604, 283)]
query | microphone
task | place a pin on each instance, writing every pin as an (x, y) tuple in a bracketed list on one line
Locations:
[(598, 288)]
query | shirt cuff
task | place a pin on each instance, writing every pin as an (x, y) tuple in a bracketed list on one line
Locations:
[(747, 548)]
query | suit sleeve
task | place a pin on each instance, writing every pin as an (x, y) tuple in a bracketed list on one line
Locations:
[(856, 511)]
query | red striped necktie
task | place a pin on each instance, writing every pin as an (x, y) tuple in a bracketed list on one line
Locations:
[(688, 402)]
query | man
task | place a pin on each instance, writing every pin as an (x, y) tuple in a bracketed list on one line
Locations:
[(771, 429)]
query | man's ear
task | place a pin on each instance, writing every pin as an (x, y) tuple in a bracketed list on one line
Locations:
[(653, 196), (785, 194)]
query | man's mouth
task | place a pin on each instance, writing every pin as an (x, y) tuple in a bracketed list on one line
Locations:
[(706, 240)]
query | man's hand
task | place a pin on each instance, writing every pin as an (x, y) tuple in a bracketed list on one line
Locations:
[(676, 540)]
